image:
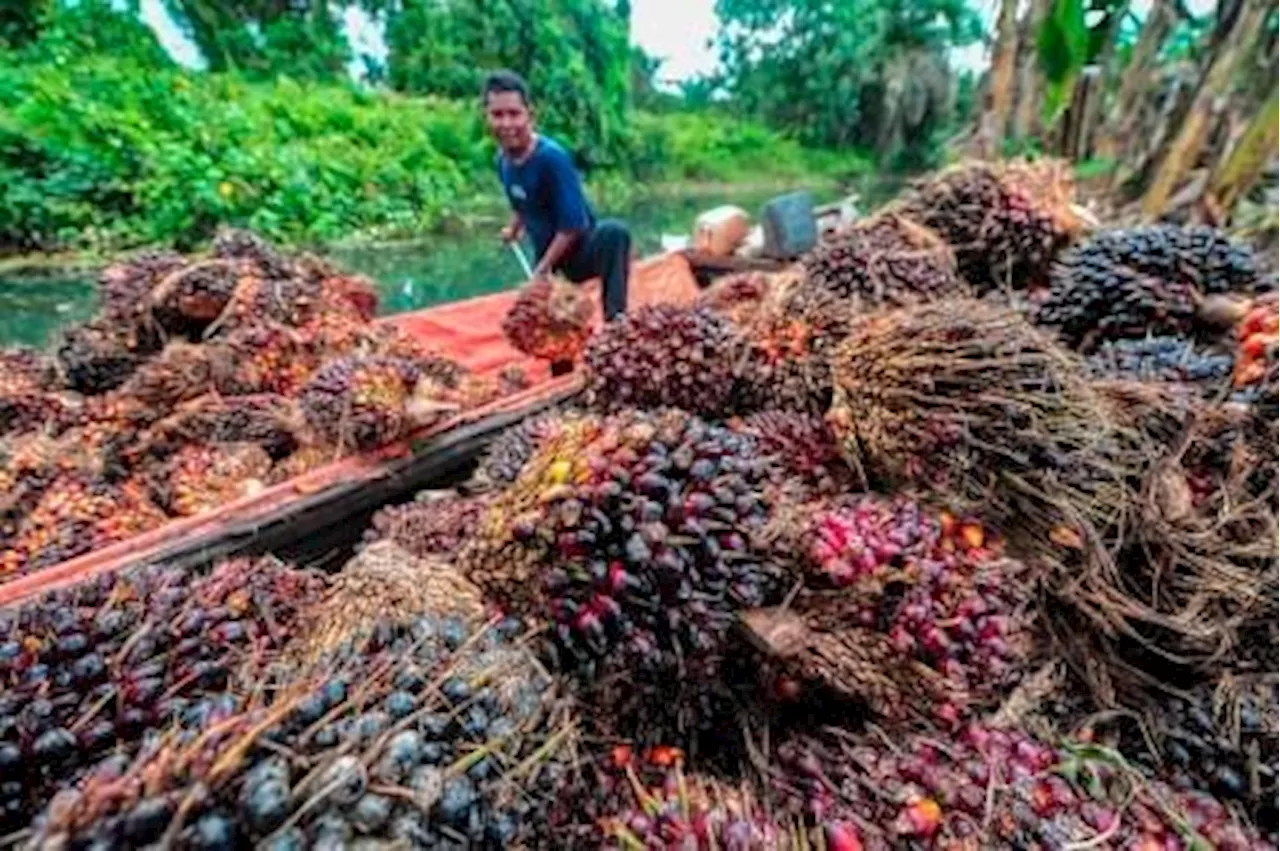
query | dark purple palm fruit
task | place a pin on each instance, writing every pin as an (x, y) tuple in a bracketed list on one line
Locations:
[(429, 733), (90, 668), (437, 525), (95, 357), (508, 453), (360, 403), (1140, 281), (886, 260), (663, 355)]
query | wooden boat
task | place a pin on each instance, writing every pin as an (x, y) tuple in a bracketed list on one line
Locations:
[(339, 496)]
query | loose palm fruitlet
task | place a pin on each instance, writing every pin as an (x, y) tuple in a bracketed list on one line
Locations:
[(1175, 359), (928, 622), (887, 260), (1257, 341), (95, 357), (201, 477), (432, 525), (788, 343), (993, 788), (91, 668), (78, 513), (1005, 221), (663, 355), (549, 320), (361, 403), (1147, 280), (435, 735), (634, 544)]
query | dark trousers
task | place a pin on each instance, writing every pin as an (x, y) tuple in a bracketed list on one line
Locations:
[(605, 252)]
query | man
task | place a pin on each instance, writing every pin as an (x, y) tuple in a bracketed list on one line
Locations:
[(547, 200)]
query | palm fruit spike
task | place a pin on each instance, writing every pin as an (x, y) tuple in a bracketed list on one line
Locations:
[(78, 514), (991, 788), (1004, 221), (664, 355), (887, 260), (785, 362), (94, 358), (1128, 283), (431, 525), (549, 320), (181, 371), (360, 403), (93, 668), (201, 477), (636, 548), (431, 734)]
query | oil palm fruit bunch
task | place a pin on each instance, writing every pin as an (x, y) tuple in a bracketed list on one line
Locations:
[(299, 462), (928, 620), (549, 320), (512, 379), (78, 513), (737, 295), (201, 477), (432, 735), (887, 260), (802, 448), (361, 403), (785, 361), (1257, 340), (188, 300), (971, 404), (433, 524), (95, 357), (89, 669), (180, 371), (648, 800), (27, 385), (1148, 280), (1169, 358), (263, 358), (240, 244), (394, 342), (635, 547), (125, 286), (1005, 221), (994, 788), (273, 422), (663, 355)]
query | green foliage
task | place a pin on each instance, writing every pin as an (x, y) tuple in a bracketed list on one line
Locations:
[(573, 53), (1063, 48), (66, 31), (841, 74), (262, 38), (22, 20)]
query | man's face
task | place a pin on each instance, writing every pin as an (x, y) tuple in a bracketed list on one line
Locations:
[(509, 120)]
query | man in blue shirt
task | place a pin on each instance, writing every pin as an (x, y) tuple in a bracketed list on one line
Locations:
[(547, 200)]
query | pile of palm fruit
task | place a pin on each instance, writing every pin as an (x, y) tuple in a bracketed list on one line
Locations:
[(200, 381), (923, 543)]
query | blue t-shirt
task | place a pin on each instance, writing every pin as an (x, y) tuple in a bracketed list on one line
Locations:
[(546, 192)]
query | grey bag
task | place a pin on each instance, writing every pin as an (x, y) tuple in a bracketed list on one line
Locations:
[(790, 228)]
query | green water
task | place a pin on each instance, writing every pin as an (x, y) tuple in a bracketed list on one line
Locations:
[(433, 270)]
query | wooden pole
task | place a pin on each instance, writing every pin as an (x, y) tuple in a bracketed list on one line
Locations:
[(1182, 152)]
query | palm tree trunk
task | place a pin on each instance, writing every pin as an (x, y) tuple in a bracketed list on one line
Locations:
[(1237, 173), (1186, 146), (1026, 112), (1135, 79), (999, 97)]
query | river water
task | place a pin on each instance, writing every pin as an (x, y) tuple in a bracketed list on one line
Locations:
[(409, 276)]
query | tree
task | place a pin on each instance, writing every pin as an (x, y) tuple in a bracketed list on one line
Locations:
[(574, 54), (998, 97), (840, 73), (265, 38)]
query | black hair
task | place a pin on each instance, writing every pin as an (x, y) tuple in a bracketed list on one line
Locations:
[(506, 81)]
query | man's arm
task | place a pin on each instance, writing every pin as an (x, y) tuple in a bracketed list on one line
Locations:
[(514, 229), (569, 212)]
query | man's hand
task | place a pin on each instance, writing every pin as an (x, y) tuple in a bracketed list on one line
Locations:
[(513, 231)]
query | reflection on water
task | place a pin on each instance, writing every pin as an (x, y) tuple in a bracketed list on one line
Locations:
[(410, 276)]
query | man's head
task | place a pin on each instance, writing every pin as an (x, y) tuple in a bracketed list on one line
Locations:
[(506, 106)]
